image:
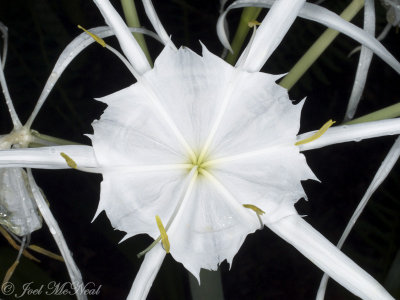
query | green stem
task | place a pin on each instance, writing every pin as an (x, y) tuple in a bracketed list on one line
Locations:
[(319, 47), (248, 14), (132, 19), (389, 112)]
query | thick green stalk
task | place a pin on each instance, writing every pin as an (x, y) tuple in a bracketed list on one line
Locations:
[(248, 14), (389, 112), (319, 47), (132, 19)]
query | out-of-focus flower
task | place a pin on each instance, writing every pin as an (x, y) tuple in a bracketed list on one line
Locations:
[(22, 204)]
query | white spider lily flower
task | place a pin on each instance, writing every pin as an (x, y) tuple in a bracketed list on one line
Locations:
[(22, 204), (209, 150)]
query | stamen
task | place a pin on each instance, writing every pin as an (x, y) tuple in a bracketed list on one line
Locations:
[(256, 209), (11, 270), (164, 236), (316, 135), (70, 162), (95, 37), (192, 175), (253, 23), (46, 252), (258, 212), (8, 275)]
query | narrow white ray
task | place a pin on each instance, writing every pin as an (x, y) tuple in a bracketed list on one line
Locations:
[(13, 114), (363, 63), (147, 168), (165, 116), (328, 258), (128, 43), (155, 21), (383, 171), (49, 157), (153, 259), (236, 206), (4, 35), (73, 271), (324, 16), (351, 133), (271, 32), (245, 155), (236, 76), (69, 53)]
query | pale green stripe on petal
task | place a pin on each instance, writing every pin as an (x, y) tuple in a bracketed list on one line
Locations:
[(128, 44), (328, 258), (49, 157), (383, 171), (351, 133)]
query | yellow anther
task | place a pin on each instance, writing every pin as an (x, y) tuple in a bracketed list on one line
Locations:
[(164, 236), (253, 23), (318, 134), (95, 37), (256, 209), (70, 162), (8, 275)]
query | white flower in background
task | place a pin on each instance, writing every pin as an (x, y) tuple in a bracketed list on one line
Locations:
[(22, 204), (198, 154)]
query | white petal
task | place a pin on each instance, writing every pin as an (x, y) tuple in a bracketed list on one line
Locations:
[(327, 257), (73, 271), (49, 157), (210, 227), (147, 273), (351, 133), (133, 199), (258, 115), (134, 131), (269, 179), (190, 89), (270, 33), (384, 170), (364, 62), (129, 45), (17, 206)]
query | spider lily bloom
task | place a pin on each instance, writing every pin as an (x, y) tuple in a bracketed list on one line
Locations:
[(198, 154), (22, 204)]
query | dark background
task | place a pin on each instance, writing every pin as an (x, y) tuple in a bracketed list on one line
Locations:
[(266, 267)]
